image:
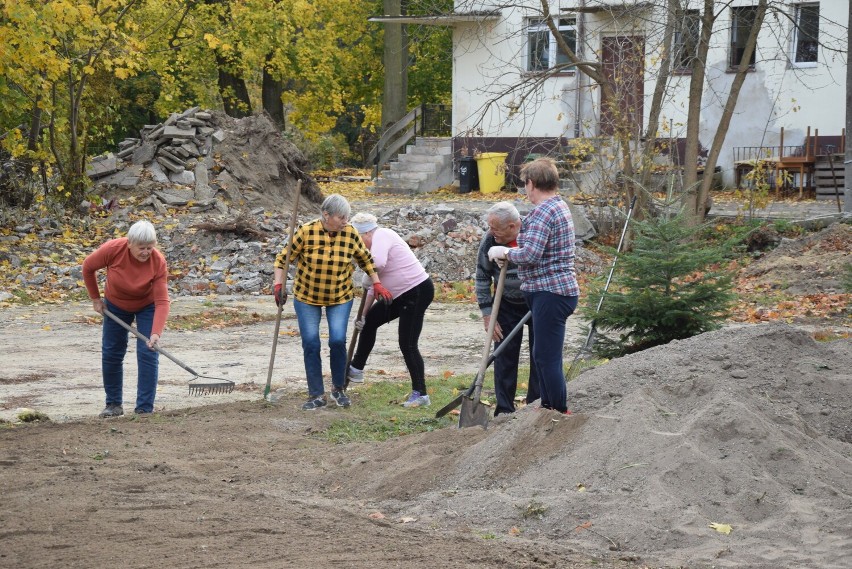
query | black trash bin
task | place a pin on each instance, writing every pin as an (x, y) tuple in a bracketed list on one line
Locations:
[(468, 175)]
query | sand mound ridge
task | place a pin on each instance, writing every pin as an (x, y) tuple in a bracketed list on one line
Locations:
[(749, 427)]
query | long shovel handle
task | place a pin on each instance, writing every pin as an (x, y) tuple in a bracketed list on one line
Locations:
[(353, 342), (492, 323), (469, 391), (294, 218), (145, 339)]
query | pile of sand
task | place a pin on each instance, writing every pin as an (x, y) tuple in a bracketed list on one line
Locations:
[(749, 427)]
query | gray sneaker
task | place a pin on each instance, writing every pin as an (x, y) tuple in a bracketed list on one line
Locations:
[(417, 400), (315, 403), (112, 411), (340, 398), (355, 375)]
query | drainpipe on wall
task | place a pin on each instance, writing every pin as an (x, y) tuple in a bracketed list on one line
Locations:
[(581, 37)]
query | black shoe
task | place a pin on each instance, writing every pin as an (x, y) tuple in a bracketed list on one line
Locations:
[(112, 410), (340, 398), (141, 412), (314, 403)]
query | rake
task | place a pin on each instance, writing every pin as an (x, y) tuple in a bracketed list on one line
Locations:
[(593, 327), (198, 385)]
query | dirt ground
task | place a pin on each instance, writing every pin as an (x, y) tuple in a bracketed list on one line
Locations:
[(747, 427), (729, 449)]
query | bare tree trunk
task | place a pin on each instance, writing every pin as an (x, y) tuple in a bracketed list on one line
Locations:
[(395, 101), (657, 99), (847, 194), (233, 90), (697, 207), (271, 91), (696, 93)]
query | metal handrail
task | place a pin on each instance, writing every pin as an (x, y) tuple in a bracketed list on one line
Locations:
[(393, 139)]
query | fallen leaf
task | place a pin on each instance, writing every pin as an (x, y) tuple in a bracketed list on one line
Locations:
[(722, 528), (448, 374), (407, 520), (581, 487), (584, 525), (514, 531), (377, 516)]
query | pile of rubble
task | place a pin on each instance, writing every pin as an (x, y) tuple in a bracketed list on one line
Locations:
[(208, 161), (236, 257), (444, 238)]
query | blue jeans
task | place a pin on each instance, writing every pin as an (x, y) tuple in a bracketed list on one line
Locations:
[(309, 317), (506, 362), (549, 313), (113, 350)]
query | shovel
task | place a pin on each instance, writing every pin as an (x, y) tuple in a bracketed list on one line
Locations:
[(198, 385), (473, 411), (469, 391), (293, 220)]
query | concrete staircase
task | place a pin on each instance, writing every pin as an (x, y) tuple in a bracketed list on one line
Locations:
[(425, 166)]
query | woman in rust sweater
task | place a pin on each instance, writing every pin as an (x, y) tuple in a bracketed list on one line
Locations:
[(136, 288)]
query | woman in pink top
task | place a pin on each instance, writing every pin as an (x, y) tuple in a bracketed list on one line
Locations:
[(136, 288), (412, 289)]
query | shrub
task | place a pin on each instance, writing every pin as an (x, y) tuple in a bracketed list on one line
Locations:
[(667, 287)]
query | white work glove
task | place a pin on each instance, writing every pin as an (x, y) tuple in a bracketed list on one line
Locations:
[(497, 254), (359, 324)]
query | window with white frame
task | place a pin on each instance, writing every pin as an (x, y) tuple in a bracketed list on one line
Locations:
[(685, 41), (805, 34), (743, 19), (543, 52)]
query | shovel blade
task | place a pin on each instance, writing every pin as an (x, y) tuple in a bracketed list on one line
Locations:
[(473, 413)]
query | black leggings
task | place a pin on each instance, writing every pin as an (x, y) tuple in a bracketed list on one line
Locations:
[(410, 307)]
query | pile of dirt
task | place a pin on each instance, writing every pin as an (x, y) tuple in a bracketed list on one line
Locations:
[(809, 265), (747, 428)]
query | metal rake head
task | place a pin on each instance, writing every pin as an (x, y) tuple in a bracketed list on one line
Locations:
[(216, 387)]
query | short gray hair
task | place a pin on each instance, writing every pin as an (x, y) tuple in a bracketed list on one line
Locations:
[(142, 233), (335, 204), (504, 212)]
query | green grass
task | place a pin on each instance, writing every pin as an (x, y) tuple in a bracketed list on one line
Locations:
[(377, 413)]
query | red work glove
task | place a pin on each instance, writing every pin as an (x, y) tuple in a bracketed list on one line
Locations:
[(381, 293), (280, 295)]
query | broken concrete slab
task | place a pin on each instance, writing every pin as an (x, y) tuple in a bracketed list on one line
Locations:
[(170, 166), (177, 132), (129, 182), (144, 153), (157, 173), (203, 191), (174, 196), (185, 178), (101, 166)]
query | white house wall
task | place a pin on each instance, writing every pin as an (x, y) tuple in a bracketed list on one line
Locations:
[(489, 60)]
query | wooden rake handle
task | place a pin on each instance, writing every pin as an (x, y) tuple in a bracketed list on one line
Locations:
[(145, 339)]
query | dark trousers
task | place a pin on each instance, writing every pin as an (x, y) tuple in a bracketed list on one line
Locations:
[(410, 307), (506, 362), (549, 313)]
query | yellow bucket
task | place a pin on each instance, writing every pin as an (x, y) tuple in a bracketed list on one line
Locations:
[(491, 167)]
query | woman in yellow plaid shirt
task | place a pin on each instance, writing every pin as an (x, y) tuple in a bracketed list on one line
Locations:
[(323, 251)]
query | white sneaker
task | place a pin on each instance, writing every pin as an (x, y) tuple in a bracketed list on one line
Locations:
[(355, 375), (417, 400)]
